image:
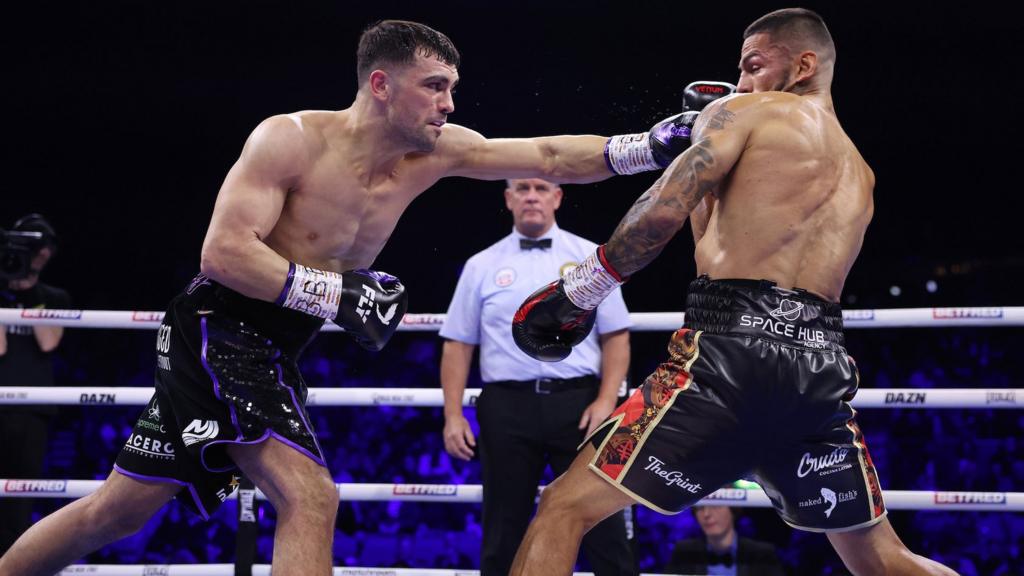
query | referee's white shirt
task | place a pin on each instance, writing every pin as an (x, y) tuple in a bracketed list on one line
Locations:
[(497, 280)]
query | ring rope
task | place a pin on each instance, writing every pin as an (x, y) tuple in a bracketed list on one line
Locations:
[(257, 570), (664, 321), (642, 321), (961, 501), (989, 398)]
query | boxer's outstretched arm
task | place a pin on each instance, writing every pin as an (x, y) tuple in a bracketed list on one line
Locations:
[(563, 159), (577, 159), (248, 206), (720, 136)]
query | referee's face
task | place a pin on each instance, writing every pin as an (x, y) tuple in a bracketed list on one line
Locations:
[(715, 521), (533, 202)]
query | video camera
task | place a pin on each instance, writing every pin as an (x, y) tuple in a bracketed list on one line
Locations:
[(19, 246)]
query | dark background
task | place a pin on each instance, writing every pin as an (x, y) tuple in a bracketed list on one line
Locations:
[(123, 118)]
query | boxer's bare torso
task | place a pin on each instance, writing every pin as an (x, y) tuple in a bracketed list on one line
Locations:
[(796, 204), (326, 189)]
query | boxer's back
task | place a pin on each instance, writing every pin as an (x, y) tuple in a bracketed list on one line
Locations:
[(796, 204)]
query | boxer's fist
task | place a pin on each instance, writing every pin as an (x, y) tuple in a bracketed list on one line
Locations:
[(632, 153), (548, 324), (371, 306), (671, 137), (697, 95), (560, 315)]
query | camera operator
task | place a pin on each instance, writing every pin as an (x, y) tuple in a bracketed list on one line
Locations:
[(25, 360)]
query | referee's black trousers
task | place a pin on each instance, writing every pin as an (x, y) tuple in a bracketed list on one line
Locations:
[(520, 432)]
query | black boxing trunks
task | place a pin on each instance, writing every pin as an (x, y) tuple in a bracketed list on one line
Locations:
[(757, 385), (226, 374)]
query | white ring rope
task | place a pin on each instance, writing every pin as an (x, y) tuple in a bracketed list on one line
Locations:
[(651, 321), (257, 570), (433, 397), (642, 321), (473, 493)]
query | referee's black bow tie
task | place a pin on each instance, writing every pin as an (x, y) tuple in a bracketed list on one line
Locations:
[(723, 559), (528, 244)]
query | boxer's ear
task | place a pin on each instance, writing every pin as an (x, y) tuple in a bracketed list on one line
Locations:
[(380, 85)]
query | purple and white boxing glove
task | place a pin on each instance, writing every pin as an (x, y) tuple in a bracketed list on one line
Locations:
[(658, 147)]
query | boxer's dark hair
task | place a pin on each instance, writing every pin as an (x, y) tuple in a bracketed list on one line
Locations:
[(797, 28), (398, 42)]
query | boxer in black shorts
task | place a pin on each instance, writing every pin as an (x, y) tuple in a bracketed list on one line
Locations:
[(758, 382), (226, 374), (712, 413), (309, 205)]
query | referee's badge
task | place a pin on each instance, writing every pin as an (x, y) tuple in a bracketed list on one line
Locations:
[(505, 277), (565, 268)]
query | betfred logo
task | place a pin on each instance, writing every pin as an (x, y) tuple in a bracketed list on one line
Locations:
[(730, 494), (139, 316), (966, 313), (36, 486), (953, 498), (424, 489), (423, 319), (51, 314), (858, 315)]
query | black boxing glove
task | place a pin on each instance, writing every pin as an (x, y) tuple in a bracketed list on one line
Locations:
[(658, 147), (697, 95), (560, 315), (372, 306), (368, 304)]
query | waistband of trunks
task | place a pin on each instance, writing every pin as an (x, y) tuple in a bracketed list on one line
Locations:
[(760, 308), (289, 330)]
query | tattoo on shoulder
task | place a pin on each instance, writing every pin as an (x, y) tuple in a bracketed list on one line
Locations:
[(716, 121)]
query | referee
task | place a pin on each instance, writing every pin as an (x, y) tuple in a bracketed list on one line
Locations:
[(531, 413)]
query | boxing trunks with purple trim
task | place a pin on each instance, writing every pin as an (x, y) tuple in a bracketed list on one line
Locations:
[(757, 385), (226, 374)]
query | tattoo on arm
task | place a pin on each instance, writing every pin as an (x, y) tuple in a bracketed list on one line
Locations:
[(657, 215), (721, 118)]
